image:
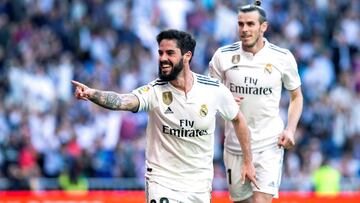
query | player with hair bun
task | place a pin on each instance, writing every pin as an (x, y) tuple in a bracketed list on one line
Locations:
[(255, 71)]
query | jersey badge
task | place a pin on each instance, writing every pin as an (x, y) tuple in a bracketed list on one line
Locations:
[(167, 98), (268, 68), (235, 59), (143, 89), (203, 110)]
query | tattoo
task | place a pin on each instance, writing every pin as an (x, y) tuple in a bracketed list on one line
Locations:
[(115, 101)]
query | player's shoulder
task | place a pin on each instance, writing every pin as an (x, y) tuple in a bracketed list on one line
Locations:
[(229, 48), (158, 83), (207, 81), (276, 50), (280, 54), (151, 86)]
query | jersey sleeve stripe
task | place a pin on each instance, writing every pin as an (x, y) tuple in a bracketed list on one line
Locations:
[(231, 46), (277, 49), (207, 83), (159, 83), (230, 49), (206, 78)]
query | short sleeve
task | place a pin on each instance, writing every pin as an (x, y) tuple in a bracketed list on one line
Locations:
[(144, 94), (215, 67), (227, 106), (291, 78)]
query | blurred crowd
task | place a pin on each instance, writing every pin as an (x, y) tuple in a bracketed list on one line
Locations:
[(111, 45)]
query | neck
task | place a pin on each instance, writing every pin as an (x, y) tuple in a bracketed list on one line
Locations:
[(256, 48), (184, 81)]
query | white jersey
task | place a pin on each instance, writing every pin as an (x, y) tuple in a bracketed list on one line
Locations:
[(259, 79), (180, 131)]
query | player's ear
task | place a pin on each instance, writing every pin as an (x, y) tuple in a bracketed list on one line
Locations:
[(263, 27), (187, 56)]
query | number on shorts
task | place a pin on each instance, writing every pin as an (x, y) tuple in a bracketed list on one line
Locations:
[(229, 176), (162, 200)]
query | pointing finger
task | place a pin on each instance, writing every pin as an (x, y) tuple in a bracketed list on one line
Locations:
[(77, 84)]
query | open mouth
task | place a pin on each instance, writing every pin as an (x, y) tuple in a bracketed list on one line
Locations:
[(165, 66)]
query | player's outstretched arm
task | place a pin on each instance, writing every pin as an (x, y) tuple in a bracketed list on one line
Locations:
[(107, 99), (242, 133)]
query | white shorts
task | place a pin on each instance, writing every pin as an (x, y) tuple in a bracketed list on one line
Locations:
[(268, 167), (156, 193)]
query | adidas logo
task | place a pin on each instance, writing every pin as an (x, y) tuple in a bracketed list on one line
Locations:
[(168, 110), (272, 184)]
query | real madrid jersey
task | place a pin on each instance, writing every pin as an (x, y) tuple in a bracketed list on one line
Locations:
[(259, 79), (180, 131)]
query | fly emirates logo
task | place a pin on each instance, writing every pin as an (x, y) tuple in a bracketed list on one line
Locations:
[(250, 87), (186, 129)]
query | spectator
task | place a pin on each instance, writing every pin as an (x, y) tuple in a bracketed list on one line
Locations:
[(73, 179), (326, 179)]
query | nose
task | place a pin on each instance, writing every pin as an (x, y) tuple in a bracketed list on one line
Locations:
[(244, 28), (163, 57)]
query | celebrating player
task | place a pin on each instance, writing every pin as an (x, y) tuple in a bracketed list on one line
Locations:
[(182, 108), (254, 70)]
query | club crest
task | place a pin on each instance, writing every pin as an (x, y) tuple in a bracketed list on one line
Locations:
[(203, 110), (268, 68), (167, 98), (235, 59)]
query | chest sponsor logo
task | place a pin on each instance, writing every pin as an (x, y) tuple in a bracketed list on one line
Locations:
[(167, 98), (203, 110), (250, 88), (235, 59), (186, 128)]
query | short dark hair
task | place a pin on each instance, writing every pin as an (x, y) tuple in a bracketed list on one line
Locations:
[(254, 7), (184, 40)]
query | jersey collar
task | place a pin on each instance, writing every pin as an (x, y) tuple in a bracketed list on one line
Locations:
[(262, 50)]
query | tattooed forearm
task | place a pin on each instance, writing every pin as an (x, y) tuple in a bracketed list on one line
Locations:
[(114, 101), (109, 100)]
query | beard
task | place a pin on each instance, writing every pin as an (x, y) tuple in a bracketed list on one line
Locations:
[(176, 69), (253, 43)]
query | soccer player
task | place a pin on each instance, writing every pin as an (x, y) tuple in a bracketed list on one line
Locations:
[(255, 70), (182, 108)]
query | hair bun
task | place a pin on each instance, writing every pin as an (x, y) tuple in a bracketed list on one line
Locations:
[(257, 3)]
